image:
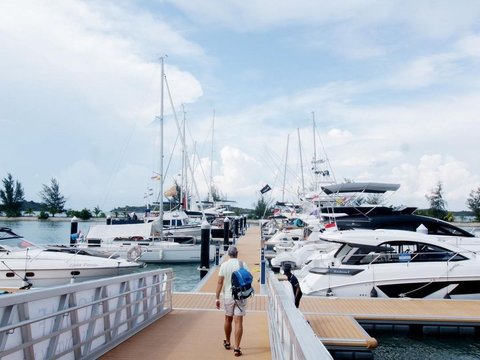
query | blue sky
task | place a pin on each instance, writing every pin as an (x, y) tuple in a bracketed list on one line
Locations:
[(393, 85)]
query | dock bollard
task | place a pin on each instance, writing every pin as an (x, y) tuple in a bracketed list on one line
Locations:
[(235, 231), (240, 226), (109, 220), (205, 249), (73, 231), (262, 267), (226, 233), (217, 254)]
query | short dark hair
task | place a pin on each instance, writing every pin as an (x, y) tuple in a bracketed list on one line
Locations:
[(232, 251)]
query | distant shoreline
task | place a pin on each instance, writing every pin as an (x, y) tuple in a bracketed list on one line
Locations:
[(51, 218)]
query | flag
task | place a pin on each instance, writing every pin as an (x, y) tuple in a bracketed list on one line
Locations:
[(265, 189), (331, 226)]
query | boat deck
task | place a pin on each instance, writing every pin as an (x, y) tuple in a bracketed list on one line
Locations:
[(194, 329)]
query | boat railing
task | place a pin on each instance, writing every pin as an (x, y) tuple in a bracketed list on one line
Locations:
[(291, 337), (84, 320)]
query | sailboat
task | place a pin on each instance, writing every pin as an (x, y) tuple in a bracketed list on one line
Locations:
[(153, 240)]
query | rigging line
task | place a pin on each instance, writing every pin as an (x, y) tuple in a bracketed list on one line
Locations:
[(326, 156), (15, 273), (164, 175), (184, 145), (195, 153), (121, 160)]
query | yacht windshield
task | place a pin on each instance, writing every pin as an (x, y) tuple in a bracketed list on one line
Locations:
[(16, 244)]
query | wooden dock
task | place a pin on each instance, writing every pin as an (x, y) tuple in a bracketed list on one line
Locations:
[(194, 329)]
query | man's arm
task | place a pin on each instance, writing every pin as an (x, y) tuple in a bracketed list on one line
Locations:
[(219, 289)]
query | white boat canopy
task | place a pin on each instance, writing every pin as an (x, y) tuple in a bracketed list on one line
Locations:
[(364, 187), (120, 231)]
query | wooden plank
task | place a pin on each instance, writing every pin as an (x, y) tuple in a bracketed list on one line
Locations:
[(194, 334)]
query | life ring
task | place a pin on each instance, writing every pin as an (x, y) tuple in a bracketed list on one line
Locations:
[(134, 253)]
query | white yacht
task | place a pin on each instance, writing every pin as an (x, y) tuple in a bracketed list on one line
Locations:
[(393, 263), (24, 264), (140, 242)]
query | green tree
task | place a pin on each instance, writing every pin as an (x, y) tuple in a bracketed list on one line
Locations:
[(52, 198), (85, 214), (473, 202), (12, 196), (262, 206), (97, 211), (437, 203)]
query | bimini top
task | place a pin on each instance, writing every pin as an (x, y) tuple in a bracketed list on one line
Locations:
[(365, 187)]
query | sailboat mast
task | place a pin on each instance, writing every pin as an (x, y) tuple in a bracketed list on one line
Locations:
[(161, 148), (183, 186), (210, 192), (301, 161), (285, 170), (314, 151)]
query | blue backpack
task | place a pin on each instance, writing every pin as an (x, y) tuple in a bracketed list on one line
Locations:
[(242, 283)]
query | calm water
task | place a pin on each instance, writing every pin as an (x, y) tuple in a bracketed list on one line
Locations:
[(58, 232), (393, 344)]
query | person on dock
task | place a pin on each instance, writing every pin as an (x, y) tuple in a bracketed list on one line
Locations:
[(235, 310), (297, 292)]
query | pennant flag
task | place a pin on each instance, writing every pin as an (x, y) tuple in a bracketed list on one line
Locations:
[(265, 189)]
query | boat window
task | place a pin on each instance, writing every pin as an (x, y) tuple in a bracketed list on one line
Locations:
[(428, 252), (420, 252), (358, 255), (166, 222), (343, 251)]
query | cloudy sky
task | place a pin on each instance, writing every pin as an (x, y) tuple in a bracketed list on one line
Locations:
[(393, 86)]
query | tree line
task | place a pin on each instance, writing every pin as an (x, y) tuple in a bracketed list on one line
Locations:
[(12, 196)]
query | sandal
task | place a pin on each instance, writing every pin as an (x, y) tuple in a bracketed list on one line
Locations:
[(237, 352), (226, 345)]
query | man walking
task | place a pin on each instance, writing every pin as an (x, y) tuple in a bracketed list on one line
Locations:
[(297, 292), (235, 310)]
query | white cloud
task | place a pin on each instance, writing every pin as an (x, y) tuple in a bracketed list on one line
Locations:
[(82, 82)]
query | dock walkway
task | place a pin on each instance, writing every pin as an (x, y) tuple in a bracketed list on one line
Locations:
[(194, 329)]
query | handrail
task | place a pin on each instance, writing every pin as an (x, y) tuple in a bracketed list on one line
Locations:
[(83, 320), (291, 337)]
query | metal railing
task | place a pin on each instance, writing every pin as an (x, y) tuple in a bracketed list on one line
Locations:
[(84, 320), (291, 337)]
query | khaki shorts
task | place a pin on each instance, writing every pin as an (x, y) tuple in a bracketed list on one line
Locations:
[(235, 307)]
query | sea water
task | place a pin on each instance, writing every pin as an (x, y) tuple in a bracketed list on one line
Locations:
[(186, 276), (393, 344)]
